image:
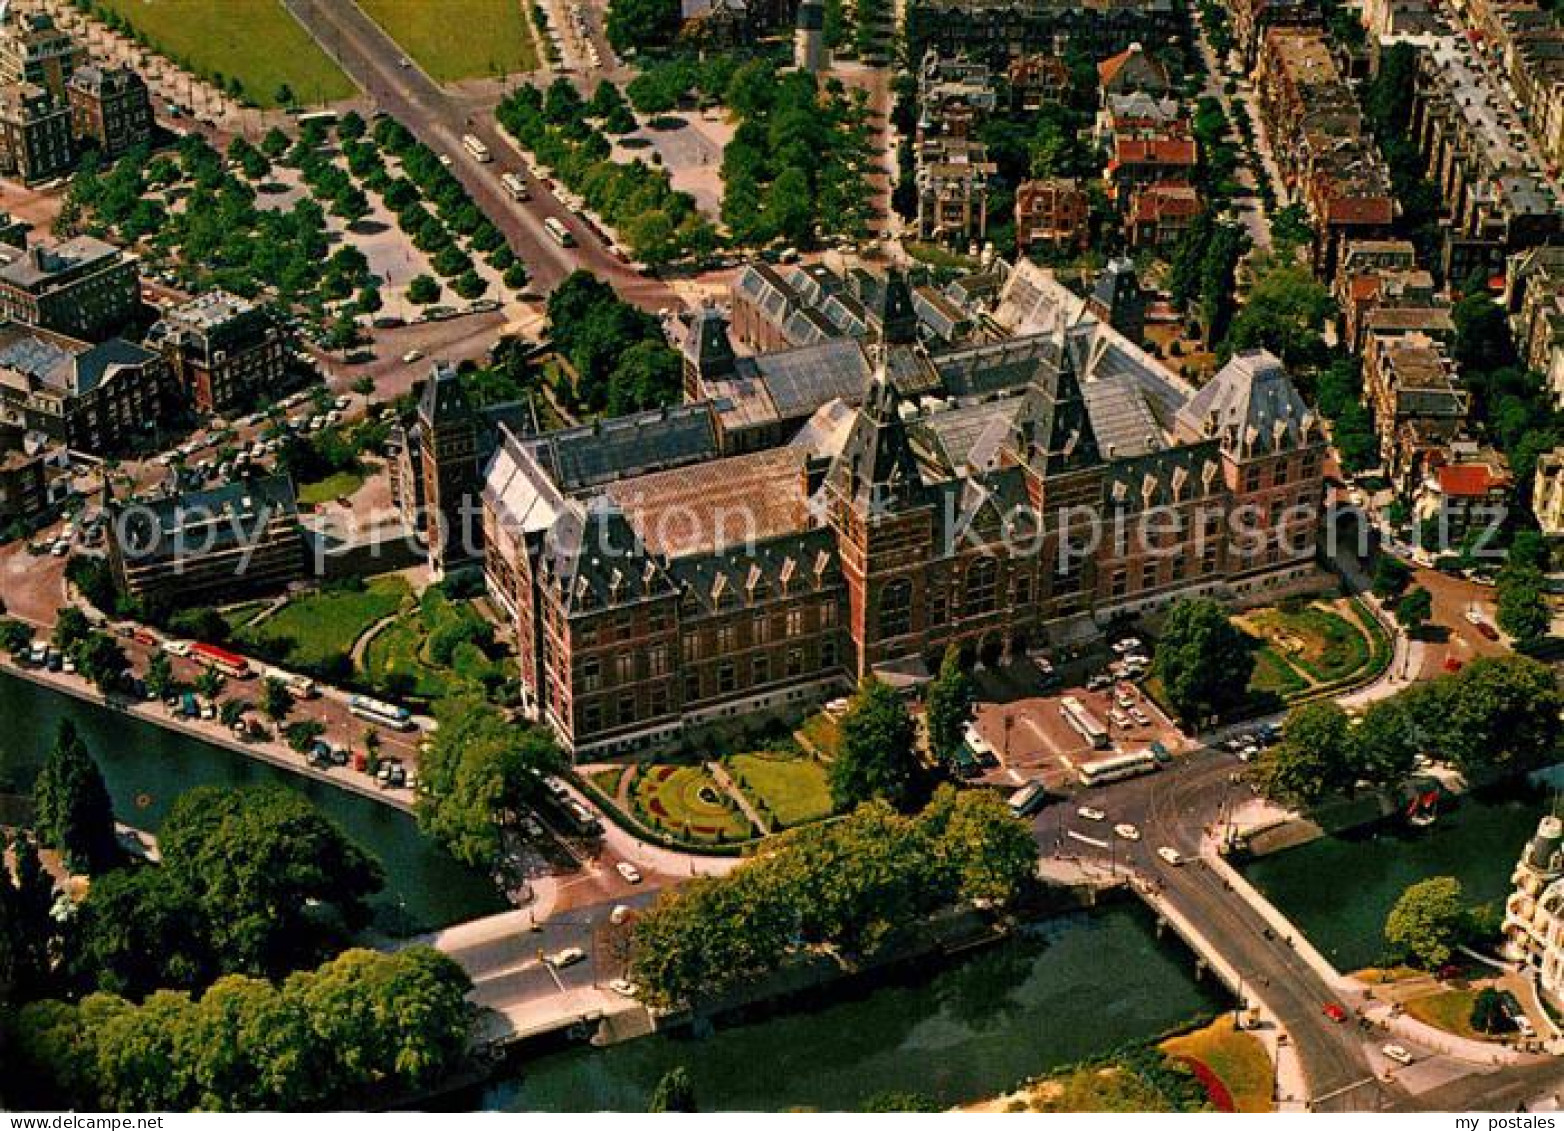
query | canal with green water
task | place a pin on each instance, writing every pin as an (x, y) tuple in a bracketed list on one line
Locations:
[(1340, 888), (1068, 988), (147, 767)]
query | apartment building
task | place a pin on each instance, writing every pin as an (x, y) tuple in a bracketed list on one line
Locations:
[(1053, 213), (1475, 145), (110, 108), (82, 287), (1322, 142), (36, 139), (208, 547), (1420, 406), (100, 399), (223, 350)]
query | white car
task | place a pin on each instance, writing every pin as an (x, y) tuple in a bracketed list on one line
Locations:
[(567, 957), (629, 871), (411, 356), (1397, 1053), (1128, 832), (1087, 813), (1473, 616), (1171, 855), (1128, 644), (624, 988)]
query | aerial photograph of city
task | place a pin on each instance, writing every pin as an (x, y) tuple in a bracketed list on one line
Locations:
[(757, 556)]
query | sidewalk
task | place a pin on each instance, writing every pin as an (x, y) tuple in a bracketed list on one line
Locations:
[(1382, 1014)]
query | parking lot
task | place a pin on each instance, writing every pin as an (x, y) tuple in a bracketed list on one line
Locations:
[(1020, 715)]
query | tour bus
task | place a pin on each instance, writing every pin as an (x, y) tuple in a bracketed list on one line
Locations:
[(219, 659), (476, 148), (1114, 769), (561, 234), (514, 185), (299, 686), (318, 118), (1085, 723), (1028, 799), (386, 714)]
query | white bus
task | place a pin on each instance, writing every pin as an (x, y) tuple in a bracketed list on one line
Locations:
[(386, 714), (299, 686), (476, 148), (561, 234), (515, 186), (1085, 723), (1114, 769)]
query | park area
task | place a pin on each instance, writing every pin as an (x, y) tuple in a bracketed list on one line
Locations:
[(459, 39), (731, 799), (1233, 1065), (254, 43), (312, 630), (1304, 646), (431, 647)]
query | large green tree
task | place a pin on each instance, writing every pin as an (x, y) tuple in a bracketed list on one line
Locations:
[(1203, 661), (1428, 921), (949, 705), (73, 811), (639, 25), (479, 771), (266, 866), (1313, 760), (1522, 609), (1498, 714), (137, 932), (877, 758)]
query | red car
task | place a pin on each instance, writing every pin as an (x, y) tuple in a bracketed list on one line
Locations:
[(1335, 1012), (1487, 630)]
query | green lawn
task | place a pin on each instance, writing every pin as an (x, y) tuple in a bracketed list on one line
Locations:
[(326, 624), (1238, 1060), (1450, 1010), (343, 483), (254, 41), (822, 733), (686, 802), (404, 646), (459, 39), (1272, 673), (238, 616), (1323, 645), (794, 789)]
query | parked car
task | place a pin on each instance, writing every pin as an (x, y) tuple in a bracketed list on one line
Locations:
[(1088, 813), (629, 871), (1127, 831), (567, 957), (1171, 855), (624, 987), (1397, 1053)]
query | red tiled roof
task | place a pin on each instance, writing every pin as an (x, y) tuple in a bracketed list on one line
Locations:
[(1469, 480), (1154, 151)]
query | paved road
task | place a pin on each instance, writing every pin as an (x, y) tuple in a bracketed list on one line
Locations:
[(372, 60), (1173, 809)]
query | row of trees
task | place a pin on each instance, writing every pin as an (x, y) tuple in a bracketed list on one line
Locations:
[(1498, 715), (794, 171), (657, 223), (364, 1029), (847, 885)]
